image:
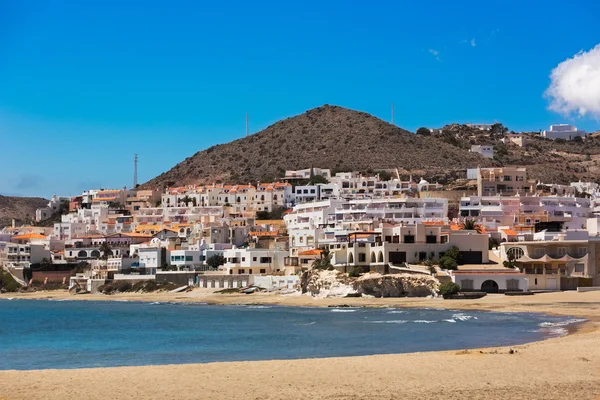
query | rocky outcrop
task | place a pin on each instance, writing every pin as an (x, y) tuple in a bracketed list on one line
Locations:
[(396, 285), (336, 284)]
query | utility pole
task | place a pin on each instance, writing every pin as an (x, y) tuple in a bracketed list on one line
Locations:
[(393, 114), (135, 161), (246, 124)]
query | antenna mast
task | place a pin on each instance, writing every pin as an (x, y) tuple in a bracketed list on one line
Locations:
[(246, 124), (393, 114), (135, 161)]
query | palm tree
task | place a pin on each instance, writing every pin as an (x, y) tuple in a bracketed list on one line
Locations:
[(470, 225), (105, 249)]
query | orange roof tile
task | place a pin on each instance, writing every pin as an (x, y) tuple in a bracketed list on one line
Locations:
[(509, 232), (434, 223), (29, 236), (312, 252)]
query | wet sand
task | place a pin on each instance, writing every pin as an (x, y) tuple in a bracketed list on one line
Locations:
[(566, 367)]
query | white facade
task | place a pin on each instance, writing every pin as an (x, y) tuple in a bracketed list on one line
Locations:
[(492, 281), (485, 151), (254, 261), (563, 131)]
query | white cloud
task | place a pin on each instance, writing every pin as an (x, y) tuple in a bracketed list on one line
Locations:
[(473, 44), (575, 85), (435, 53)]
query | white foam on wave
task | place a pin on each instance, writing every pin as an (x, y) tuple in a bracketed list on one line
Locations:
[(307, 324), (449, 320), (397, 312), (424, 321), (155, 303), (260, 307), (462, 317), (394, 321), (343, 310), (561, 323)]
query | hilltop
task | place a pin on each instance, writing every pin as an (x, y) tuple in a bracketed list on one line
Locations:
[(20, 208), (329, 137)]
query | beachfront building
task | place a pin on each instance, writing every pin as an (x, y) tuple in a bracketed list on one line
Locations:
[(490, 280), (254, 261), (526, 210), (563, 131), (394, 245), (485, 151), (21, 255), (556, 261), (503, 181)]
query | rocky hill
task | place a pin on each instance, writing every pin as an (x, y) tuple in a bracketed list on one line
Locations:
[(546, 160), (328, 137), (20, 208)]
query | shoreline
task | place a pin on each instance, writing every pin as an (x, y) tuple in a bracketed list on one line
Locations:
[(555, 367)]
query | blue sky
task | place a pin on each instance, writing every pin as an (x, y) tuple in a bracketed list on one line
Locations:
[(84, 86)]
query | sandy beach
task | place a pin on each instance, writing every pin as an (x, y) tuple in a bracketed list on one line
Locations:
[(551, 369)]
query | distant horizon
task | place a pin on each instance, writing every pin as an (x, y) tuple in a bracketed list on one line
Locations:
[(85, 86)]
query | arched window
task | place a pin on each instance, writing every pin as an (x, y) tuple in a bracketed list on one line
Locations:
[(82, 254), (351, 259), (380, 257), (515, 252), (373, 259), (95, 254)]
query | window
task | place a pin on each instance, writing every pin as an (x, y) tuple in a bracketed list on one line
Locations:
[(466, 284), (250, 271), (243, 259), (264, 271), (409, 238), (265, 260), (253, 258), (507, 178), (580, 268), (362, 257), (242, 271), (515, 252), (582, 251), (430, 239), (189, 258), (388, 239), (512, 284), (561, 251)]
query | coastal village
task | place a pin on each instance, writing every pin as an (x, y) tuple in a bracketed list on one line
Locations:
[(497, 231)]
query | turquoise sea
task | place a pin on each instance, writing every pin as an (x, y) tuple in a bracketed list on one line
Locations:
[(41, 334)]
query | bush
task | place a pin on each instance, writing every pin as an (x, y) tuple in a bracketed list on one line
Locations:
[(447, 262), (8, 283), (115, 287), (423, 131), (448, 289), (354, 272)]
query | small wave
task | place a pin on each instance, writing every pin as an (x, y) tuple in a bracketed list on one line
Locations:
[(424, 321), (307, 324), (394, 321), (260, 307), (342, 310), (155, 303), (449, 320), (561, 323), (462, 317), (397, 312)]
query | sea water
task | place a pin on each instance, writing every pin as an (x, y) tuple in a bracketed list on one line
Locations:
[(41, 334)]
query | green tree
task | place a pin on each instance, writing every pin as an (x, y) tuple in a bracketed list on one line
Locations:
[(105, 250), (215, 261), (423, 131), (324, 261), (498, 129), (185, 200), (316, 179), (448, 289), (470, 225)]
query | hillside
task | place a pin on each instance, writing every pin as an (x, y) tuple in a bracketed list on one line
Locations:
[(20, 208), (546, 160), (328, 137)]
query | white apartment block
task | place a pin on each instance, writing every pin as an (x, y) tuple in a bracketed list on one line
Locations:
[(303, 174), (53, 207), (21, 255), (563, 131), (494, 211), (254, 261)]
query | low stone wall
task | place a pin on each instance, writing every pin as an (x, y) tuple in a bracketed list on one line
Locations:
[(51, 276), (588, 289)]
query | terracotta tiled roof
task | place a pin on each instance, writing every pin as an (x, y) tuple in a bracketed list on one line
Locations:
[(509, 232), (312, 252), (29, 236)]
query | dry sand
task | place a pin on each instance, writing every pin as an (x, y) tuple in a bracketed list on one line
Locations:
[(566, 367)]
